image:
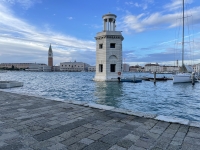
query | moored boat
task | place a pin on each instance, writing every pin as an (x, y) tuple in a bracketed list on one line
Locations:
[(187, 74), (134, 80), (157, 79)]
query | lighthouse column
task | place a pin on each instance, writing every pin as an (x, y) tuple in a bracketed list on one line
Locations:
[(108, 51)]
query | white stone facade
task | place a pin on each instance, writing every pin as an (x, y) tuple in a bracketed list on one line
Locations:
[(169, 68), (15, 65), (157, 68), (126, 68), (136, 68), (152, 68), (56, 68), (73, 66), (39, 67), (108, 51), (91, 68), (196, 68)]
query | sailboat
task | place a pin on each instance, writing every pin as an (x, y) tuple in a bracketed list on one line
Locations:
[(186, 75)]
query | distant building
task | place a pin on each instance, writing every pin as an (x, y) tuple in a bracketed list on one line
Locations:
[(15, 65), (152, 67), (50, 57), (196, 68), (91, 68), (158, 68), (56, 68), (39, 67), (169, 68), (125, 67), (136, 68), (73, 66)]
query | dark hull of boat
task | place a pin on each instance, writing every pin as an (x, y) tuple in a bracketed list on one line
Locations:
[(157, 79), (131, 80)]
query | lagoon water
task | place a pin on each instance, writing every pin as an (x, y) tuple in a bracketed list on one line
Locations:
[(164, 98)]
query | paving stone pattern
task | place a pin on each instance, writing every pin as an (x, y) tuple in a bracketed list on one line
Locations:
[(33, 123)]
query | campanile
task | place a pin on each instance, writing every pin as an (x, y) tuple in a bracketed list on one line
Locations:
[(50, 56)]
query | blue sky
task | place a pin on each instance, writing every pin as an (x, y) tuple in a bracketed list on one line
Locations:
[(151, 30)]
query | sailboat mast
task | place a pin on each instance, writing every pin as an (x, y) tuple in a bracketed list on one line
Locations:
[(183, 37)]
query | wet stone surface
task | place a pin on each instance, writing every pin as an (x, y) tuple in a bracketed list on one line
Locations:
[(32, 123)]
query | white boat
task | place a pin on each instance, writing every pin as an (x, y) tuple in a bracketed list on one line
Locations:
[(182, 78), (186, 76)]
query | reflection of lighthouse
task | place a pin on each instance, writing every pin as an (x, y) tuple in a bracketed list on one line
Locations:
[(50, 57), (108, 51), (109, 93)]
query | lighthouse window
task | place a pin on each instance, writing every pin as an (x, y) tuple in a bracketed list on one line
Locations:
[(112, 45), (112, 67), (100, 67), (100, 46)]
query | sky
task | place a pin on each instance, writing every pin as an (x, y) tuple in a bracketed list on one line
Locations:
[(151, 29)]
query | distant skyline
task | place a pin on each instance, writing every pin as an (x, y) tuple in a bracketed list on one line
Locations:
[(150, 29)]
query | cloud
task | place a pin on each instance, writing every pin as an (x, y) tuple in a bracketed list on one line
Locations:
[(157, 20), (144, 4), (20, 39), (160, 57), (176, 4), (25, 4), (70, 18)]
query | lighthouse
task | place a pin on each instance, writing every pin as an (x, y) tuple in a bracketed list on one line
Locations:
[(50, 57), (108, 50)]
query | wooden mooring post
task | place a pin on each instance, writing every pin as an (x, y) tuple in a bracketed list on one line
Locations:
[(193, 78), (155, 77)]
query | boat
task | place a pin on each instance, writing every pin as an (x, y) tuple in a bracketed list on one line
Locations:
[(162, 72), (187, 74), (157, 79), (131, 80), (134, 80)]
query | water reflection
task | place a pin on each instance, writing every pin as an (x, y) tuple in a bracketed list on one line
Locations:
[(109, 93)]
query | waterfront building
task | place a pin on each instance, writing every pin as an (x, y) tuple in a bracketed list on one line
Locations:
[(108, 51), (39, 67), (91, 68), (152, 67), (136, 68), (15, 65), (158, 68), (74, 66), (50, 57), (125, 67), (56, 68), (196, 68), (169, 68)]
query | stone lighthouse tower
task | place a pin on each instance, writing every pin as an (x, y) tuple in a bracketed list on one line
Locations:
[(50, 57), (108, 51)]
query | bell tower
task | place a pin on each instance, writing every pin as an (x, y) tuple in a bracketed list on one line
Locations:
[(50, 56), (108, 51)]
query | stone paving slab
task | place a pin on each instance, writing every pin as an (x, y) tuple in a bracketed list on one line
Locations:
[(32, 123)]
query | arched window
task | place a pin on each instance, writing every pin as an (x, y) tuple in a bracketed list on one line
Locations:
[(112, 57)]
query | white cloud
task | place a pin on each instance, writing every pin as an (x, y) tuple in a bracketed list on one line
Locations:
[(156, 20), (26, 4), (176, 4), (18, 37), (70, 18), (144, 4)]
